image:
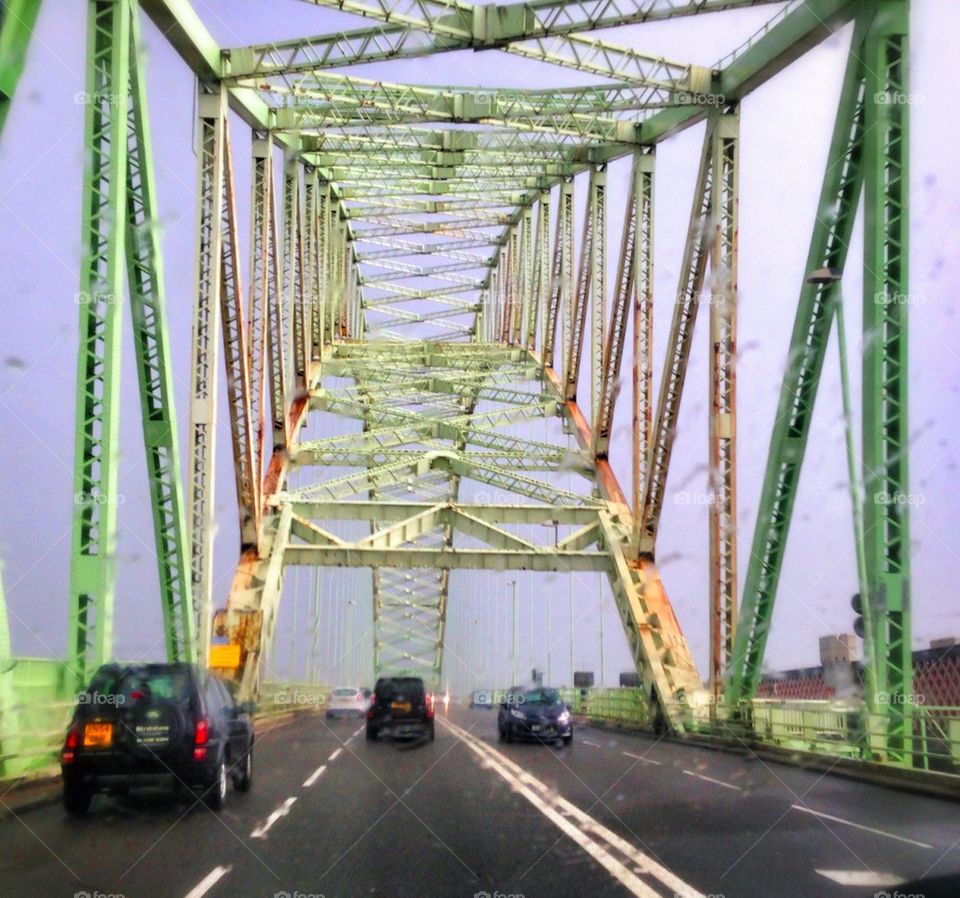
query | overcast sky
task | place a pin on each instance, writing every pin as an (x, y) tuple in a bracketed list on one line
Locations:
[(785, 131)]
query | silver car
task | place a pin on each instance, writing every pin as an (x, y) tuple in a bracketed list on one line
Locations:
[(347, 701)]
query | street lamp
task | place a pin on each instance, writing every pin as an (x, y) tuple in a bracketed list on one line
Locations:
[(556, 542), (516, 633)]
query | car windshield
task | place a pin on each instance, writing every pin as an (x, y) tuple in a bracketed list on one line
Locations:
[(541, 697)]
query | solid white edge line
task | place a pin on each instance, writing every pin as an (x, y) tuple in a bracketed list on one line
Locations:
[(335, 755), (645, 760), (281, 811), (869, 829), (209, 881), (310, 780), (710, 779), (589, 831)]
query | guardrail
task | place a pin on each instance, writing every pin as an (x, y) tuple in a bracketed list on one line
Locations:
[(625, 706)]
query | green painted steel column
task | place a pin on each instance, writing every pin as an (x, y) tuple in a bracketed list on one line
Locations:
[(808, 345), (887, 496), (152, 349), (17, 19), (93, 552)]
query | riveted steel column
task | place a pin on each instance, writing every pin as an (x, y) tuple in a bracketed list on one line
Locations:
[(723, 395), (598, 283), (643, 338), (212, 108)]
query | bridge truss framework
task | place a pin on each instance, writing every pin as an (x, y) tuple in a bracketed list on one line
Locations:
[(418, 273)]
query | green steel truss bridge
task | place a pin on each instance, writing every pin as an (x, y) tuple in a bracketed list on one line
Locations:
[(418, 267)]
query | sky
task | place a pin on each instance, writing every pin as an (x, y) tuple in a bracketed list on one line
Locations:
[(785, 129)]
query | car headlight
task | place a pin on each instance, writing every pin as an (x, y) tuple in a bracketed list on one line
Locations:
[(564, 717), (518, 714)]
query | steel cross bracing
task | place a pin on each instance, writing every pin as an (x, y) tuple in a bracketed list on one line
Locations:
[(403, 279)]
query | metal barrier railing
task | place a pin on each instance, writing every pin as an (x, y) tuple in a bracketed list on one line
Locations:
[(827, 727), (626, 706)]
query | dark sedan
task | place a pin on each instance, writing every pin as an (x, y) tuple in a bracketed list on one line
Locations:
[(535, 714)]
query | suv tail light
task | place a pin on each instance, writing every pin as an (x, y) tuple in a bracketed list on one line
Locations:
[(429, 705), (200, 737), (70, 744)]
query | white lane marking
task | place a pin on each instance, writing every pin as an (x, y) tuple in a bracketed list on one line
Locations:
[(209, 881), (588, 742), (863, 878), (641, 758), (594, 838), (710, 779), (358, 732), (310, 780), (868, 829), (281, 811), (335, 755)]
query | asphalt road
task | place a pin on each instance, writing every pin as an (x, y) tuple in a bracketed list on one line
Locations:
[(465, 816)]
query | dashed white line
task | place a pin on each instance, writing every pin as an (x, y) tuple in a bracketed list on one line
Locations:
[(281, 811), (209, 881), (335, 755), (863, 878), (593, 744), (310, 780), (710, 779), (641, 758), (619, 858), (868, 829)]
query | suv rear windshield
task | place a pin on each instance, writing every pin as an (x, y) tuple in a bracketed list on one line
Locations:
[(150, 681), (409, 686)]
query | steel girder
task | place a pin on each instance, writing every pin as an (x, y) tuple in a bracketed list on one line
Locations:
[(211, 110), (119, 225), (840, 193), (724, 216), (886, 518)]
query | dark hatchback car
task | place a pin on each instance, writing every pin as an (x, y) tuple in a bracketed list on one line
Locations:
[(401, 706), (150, 723), (536, 714)]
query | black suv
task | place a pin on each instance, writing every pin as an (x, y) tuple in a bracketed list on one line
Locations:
[(149, 722), (401, 706)]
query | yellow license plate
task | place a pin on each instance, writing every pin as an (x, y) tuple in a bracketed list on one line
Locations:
[(97, 735), (401, 706)]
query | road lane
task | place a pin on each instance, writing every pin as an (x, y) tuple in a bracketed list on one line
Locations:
[(334, 815)]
